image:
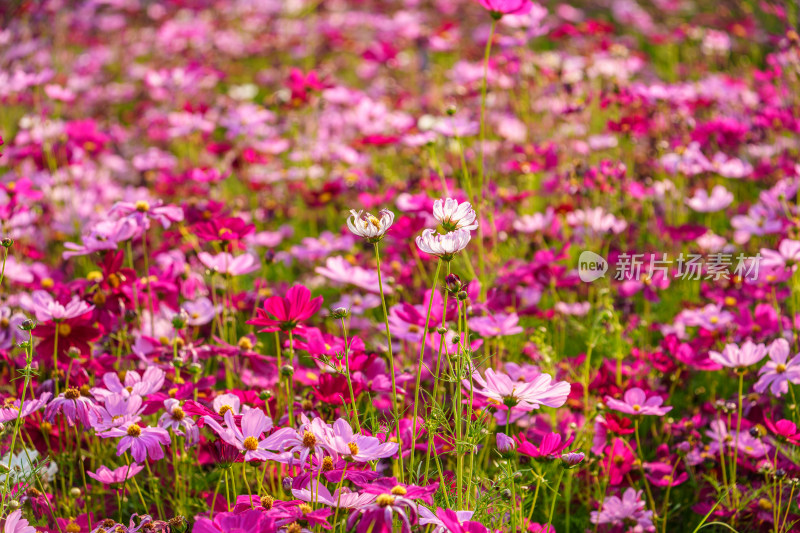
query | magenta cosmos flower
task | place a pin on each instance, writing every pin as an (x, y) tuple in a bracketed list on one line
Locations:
[(498, 8), (733, 356), (143, 442), (502, 390), (636, 402), (285, 314), (73, 406), (142, 211), (118, 475), (248, 439), (626, 510)]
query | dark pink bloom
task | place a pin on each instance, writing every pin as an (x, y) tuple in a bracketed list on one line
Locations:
[(550, 447), (118, 475), (507, 7), (287, 313)]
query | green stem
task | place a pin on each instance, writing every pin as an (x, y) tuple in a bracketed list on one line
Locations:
[(419, 365), (738, 430), (550, 528), (391, 361), (349, 379)]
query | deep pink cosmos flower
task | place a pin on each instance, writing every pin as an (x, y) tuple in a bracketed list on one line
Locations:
[(73, 406), (143, 211), (249, 521), (618, 460), (379, 517), (143, 442), (287, 313), (498, 8), (550, 446), (230, 229), (636, 402), (785, 430), (118, 475)]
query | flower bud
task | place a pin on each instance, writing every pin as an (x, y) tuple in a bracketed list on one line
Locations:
[(572, 459), (179, 320), (177, 524), (13, 504), (453, 284), (195, 369), (75, 492), (269, 257), (27, 325), (265, 395), (339, 313), (463, 295), (7, 242), (505, 444), (287, 371), (73, 352), (441, 330)]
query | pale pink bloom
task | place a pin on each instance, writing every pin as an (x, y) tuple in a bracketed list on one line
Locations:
[(360, 448), (636, 402), (16, 524), (777, 373), (788, 254), (443, 246), (46, 308), (453, 216), (343, 498), (595, 222), (143, 442), (496, 325), (225, 263), (502, 390), (733, 356), (719, 199), (13, 411), (368, 226), (142, 211), (107, 476), (248, 439), (151, 381)]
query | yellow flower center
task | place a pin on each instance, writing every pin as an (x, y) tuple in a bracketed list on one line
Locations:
[(309, 439), (305, 508), (397, 490), (224, 409), (72, 394), (781, 368), (327, 464), (178, 413), (384, 500), (353, 448), (142, 206), (64, 330), (134, 430), (637, 407), (250, 444)]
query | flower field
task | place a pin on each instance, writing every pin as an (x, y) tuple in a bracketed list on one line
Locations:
[(443, 266)]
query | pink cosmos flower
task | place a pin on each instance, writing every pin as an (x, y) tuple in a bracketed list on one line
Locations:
[(496, 325), (16, 524), (502, 390), (199, 312), (248, 439), (149, 382), (379, 517), (12, 411), (312, 437), (142, 211), (118, 410), (118, 475), (343, 498), (723, 439), (46, 308), (499, 8), (733, 356), (285, 314), (360, 448), (785, 430), (636, 402), (250, 520), (74, 407), (338, 270), (143, 442), (175, 418), (550, 446), (777, 373), (225, 263), (443, 246), (622, 511), (788, 254), (702, 202), (105, 235)]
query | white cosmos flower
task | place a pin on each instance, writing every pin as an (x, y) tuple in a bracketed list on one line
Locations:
[(21, 468), (369, 226), (452, 215), (443, 246)]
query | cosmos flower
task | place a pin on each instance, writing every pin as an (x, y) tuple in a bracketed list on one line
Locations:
[(502, 390), (287, 313), (16, 524), (368, 226), (379, 516), (20, 467), (175, 418), (360, 448), (454, 216), (550, 446), (248, 439), (46, 308), (142, 211), (498, 8), (719, 199), (11, 411), (443, 246), (734, 356), (144, 442), (73, 406), (777, 373), (636, 402), (107, 476), (225, 263), (621, 511)]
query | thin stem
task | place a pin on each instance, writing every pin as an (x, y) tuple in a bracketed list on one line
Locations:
[(391, 360), (419, 365), (738, 430), (244, 477), (641, 467), (550, 527), (349, 379)]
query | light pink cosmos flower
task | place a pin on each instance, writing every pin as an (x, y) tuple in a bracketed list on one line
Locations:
[(151, 381), (16, 524), (142, 211), (105, 235), (724, 439), (452, 215), (733, 356), (342, 498), (175, 418), (622, 511), (368, 226), (537, 222), (118, 410), (11, 412), (496, 325), (777, 373), (502, 390), (443, 246), (360, 448), (199, 312), (636, 402), (46, 308), (595, 222), (225, 263), (788, 254), (313, 437), (719, 199), (337, 269), (74, 407), (248, 439), (118, 475), (143, 442)]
